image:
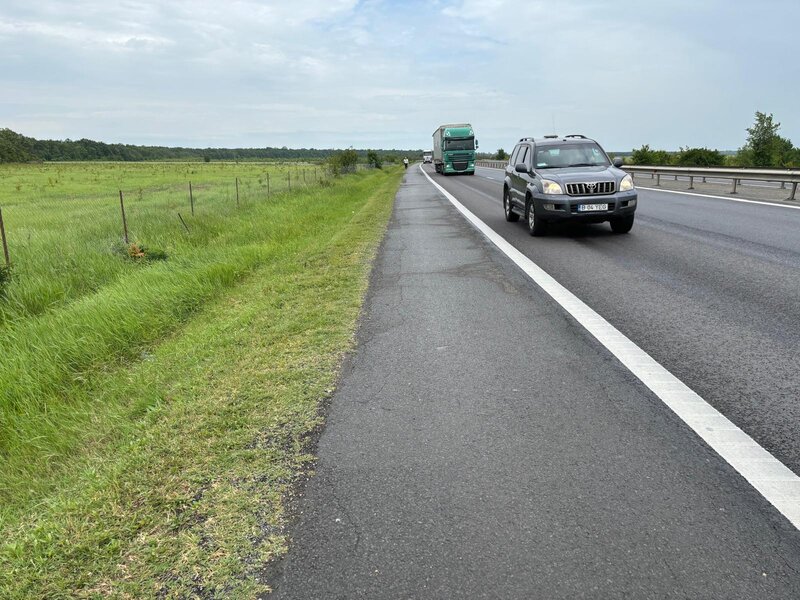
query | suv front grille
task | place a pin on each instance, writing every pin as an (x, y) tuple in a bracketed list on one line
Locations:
[(590, 189)]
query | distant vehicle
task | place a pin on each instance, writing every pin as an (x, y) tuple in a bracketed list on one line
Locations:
[(427, 158), (567, 178), (454, 149)]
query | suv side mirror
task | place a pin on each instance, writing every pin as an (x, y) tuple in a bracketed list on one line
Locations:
[(618, 162), (521, 168)]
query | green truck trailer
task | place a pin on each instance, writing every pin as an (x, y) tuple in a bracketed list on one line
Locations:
[(454, 148)]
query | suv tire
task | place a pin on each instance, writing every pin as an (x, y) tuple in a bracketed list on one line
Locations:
[(511, 216), (536, 227), (622, 224)]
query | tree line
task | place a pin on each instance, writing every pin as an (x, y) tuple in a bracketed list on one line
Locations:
[(763, 148), (15, 147)]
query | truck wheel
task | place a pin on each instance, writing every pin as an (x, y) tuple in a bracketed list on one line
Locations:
[(621, 224), (511, 216), (536, 227)]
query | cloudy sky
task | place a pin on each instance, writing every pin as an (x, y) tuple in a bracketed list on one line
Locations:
[(381, 73)]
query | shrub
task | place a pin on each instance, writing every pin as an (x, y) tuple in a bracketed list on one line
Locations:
[(374, 160), (647, 156), (344, 161), (699, 157)]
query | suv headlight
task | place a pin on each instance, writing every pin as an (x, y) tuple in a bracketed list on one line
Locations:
[(626, 184), (551, 187)]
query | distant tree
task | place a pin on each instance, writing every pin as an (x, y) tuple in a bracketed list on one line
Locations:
[(647, 156), (764, 147), (14, 147), (501, 154), (344, 161), (374, 160), (699, 157)]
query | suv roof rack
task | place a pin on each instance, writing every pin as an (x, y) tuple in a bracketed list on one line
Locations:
[(552, 136), (576, 135), (526, 139)]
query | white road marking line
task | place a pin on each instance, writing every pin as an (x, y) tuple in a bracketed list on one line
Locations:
[(776, 482), (776, 203)]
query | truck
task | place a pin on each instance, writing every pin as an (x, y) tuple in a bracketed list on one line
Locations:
[(454, 148)]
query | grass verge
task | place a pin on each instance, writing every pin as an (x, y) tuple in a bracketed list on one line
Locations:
[(181, 453)]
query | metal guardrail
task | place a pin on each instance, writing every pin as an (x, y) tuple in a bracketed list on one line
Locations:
[(735, 175), (492, 164)]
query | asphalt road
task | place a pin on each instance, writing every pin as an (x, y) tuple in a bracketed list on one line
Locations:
[(708, 287), (482, 445)]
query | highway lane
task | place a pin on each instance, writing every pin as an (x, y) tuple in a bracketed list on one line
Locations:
[(480, 444), (708, 287)]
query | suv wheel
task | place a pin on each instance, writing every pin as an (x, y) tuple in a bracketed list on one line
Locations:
[(511, 216), (536, 227), (622, 224)]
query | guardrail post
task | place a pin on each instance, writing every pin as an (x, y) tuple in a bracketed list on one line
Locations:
[(691, 182), (658, 179), (735, 183), (794, 191)]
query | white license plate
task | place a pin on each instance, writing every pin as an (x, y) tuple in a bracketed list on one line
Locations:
[(591, 207)]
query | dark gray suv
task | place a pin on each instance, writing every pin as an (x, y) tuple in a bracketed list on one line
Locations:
[(567, 178)]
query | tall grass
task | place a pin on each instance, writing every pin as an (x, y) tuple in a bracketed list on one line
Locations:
[(75, 307), (165, 418), (65, 229)]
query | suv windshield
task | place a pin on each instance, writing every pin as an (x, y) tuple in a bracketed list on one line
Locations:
[(460, 143), (561, 156)]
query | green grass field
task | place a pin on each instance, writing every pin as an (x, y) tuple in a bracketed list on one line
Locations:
[(154, 415), (63, 219)]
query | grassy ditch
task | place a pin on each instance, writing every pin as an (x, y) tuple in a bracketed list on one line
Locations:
[(152, 429), (64, 223)]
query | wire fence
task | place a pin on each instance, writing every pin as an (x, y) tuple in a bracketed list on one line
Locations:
[(68, 229)]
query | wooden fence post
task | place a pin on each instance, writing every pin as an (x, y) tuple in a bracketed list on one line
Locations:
[(5, 241), (124, 220), (237, 192), (191, 198), (183, 223)]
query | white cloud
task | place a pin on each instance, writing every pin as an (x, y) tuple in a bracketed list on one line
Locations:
[(334, 72)]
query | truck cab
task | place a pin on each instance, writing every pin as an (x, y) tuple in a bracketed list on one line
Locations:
[(454, 149)]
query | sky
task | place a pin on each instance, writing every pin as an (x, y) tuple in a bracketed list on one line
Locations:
[(385, 74)]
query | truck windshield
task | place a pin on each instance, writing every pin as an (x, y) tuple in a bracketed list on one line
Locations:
[(459, 143), (562, 156)]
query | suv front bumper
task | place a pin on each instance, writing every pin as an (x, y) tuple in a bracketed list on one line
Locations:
[(560, 207)]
